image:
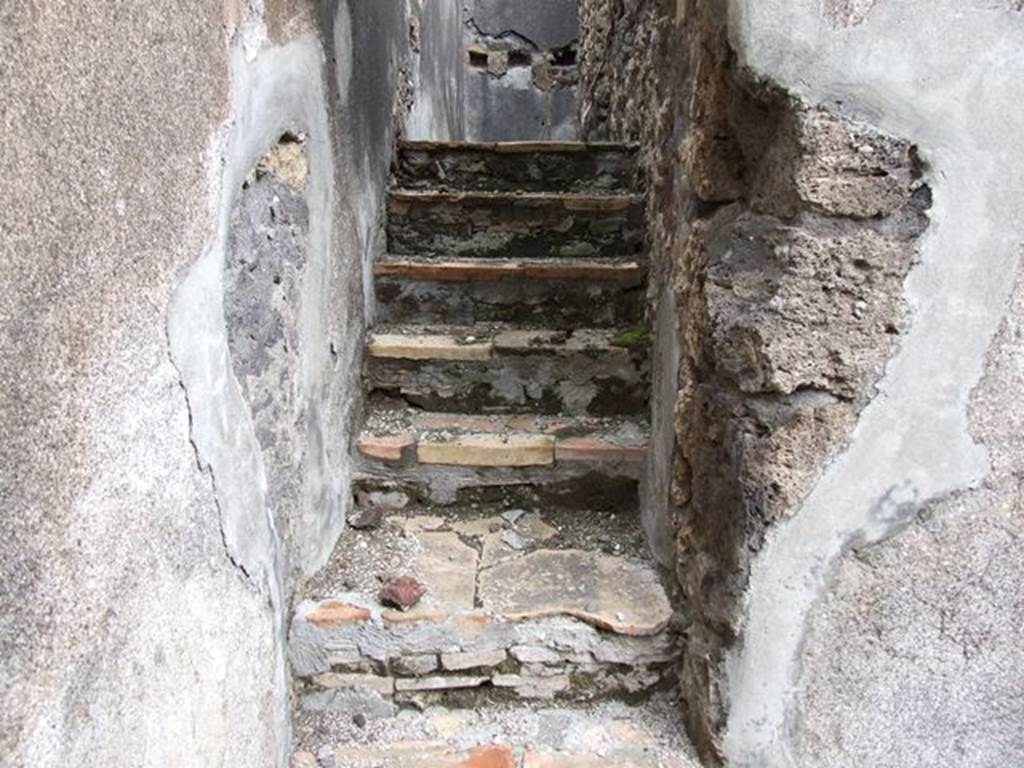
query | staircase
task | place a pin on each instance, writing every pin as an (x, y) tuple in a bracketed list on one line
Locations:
[(507, 379)]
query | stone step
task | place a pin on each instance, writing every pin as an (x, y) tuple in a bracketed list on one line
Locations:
[(502, 368), (604, 733), (517, 166), (442, 454), (501, 612), (552, 293), (514, 225)]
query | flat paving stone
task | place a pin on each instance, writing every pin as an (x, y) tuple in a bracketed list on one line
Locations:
[(609, 592), (447, 567)]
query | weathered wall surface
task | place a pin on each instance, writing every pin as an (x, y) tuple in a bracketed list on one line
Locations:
[(520, 69), (179, 340), (846, 523), (125, 628), (436, 81)]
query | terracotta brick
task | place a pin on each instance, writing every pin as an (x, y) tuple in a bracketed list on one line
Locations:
[(385, 447), (595, 449), (332, 613), (489, 757)]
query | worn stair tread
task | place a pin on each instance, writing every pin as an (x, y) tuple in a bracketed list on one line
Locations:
[(571, 201), (486, 341), (520, 146), (603, 590), (461, 270), (501, 440)]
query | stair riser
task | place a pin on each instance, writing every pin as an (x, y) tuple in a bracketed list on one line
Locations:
[(463, 660), (576, 384), (511, 228), (555, 304), (479, 169), (580, 488)]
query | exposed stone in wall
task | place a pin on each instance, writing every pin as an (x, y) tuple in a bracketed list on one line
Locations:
[(265, 260), (787, 230)]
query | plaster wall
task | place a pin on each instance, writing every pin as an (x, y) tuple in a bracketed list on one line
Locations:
[(115, 586), (924, 479), (146, 573)]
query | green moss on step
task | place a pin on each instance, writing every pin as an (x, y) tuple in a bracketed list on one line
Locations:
[(637, 337)]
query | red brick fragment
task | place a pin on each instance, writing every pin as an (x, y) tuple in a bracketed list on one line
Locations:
[(596, 449), (384, 447), (489, 757), (403, 592)]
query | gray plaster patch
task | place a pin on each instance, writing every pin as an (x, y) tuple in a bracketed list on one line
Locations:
[(902, 69), (274, 91), (264, 269)]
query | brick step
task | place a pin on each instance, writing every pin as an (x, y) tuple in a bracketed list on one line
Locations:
[(441, 455), (603, 734), (552, 293), (517, 166), (507, 609), (502, 368), (514, 225)]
